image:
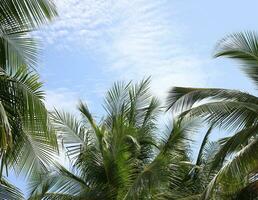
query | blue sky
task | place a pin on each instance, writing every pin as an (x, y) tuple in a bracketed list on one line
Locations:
[(96, 42)]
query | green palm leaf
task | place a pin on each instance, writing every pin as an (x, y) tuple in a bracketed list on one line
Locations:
[(27, 116), (228, 115), (234, 143), (200, 155), (27, 13), (166, 165), (17, 20), (244, 48), (232, 177), (182, 99)]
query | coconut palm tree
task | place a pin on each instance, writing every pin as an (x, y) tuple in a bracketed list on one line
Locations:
[(233, 110), (120, 156), (25, 136)]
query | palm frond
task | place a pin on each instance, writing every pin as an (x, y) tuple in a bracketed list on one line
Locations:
[(73, 135), (17, 20), (83, 108), (8, 191), (159, 170), (5, 129), (228, 115), (18, 49), (200, 155), (26, 13), (33, 153), (60, 182), (139, 99), (117, 99), (21, 98), (231, 178), (181, 99), (21, 90), (80, 144), (244, 48), (232, 144)]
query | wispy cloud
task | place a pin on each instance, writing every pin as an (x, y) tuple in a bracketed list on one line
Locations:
[(134, 38), (62, 98)]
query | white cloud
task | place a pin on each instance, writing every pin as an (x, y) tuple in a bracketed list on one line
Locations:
[(61, 98), (135, 38)]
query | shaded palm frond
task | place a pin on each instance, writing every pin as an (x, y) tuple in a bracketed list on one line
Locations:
[(231, 178), (231, 145), (26, 13), (21, 97), (165, 168), (200, 155), (8, 191)]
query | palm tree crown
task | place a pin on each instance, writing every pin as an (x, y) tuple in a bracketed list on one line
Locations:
[(120, 157), (232, 110)]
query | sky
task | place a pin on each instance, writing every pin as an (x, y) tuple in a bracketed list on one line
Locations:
[(94, 43)]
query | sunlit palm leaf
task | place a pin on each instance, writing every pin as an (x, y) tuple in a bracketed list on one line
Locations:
[(17, 20), (226, 114), (181, 99), (244, 48), (21, 98), (73, 135), (61, 181), (117, 99), (18, 49)]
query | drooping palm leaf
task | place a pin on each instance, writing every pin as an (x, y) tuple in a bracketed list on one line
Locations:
[(229, 115), (200, 155), (244, 48), (58, 184), (181, 99), (229, 109)]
